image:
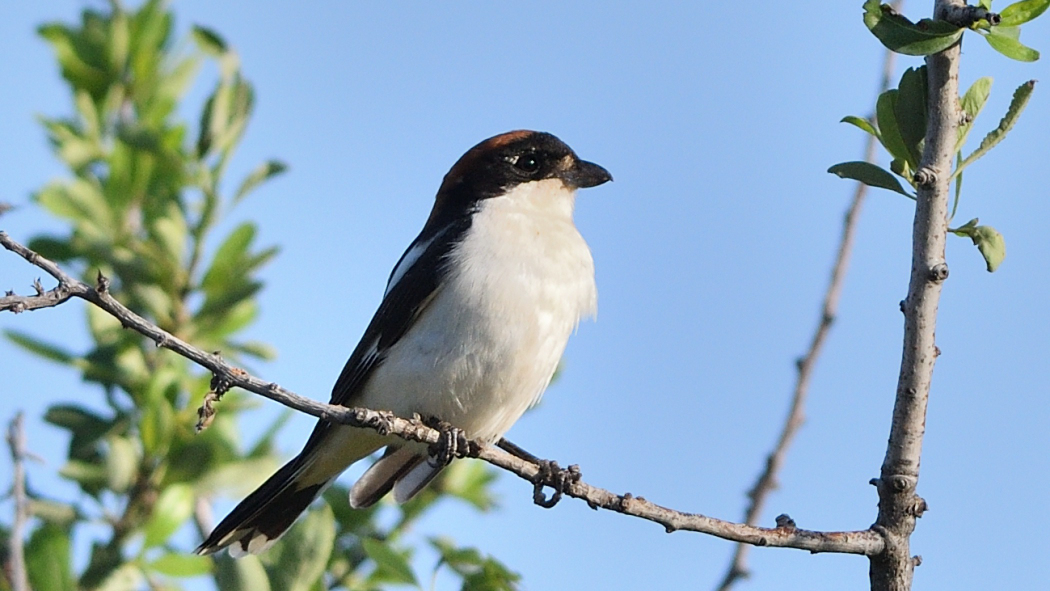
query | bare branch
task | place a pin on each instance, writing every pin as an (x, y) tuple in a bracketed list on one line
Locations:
[(43, 299), (16, 441), (865, 542), (899, 506), (767, 480)]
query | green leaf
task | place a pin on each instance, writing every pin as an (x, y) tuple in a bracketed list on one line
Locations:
[(240, 574), (128, 577), (169, 231), (173, 508), (122, 464), (79, 201), (181, 565), (1006, 43), (869, 174), (235, 478), (470, 482), (226, 262), (209, 41), (54, 512), (389, 562), (299, 560), (86, 427), (119, 41), (56, 249), (479, 573), (892, 140), (91, 477), (48, 559), (88, 113), (863, 124), (262, 173), (80, 72), (958, 188), (988, 240), (972, 104), (909, 111), (903, 36), (44, 349), (1017, 105), (992, 246), (1019, 13)]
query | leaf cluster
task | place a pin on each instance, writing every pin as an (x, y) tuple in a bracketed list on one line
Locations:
[(143, 198), (1001, 31), (900, 122)]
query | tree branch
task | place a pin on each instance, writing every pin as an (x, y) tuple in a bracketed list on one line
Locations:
[(16, 441), (767, 480), (866, 542), (899, 505)]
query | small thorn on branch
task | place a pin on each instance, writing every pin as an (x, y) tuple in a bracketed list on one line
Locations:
[(39, 287), (784, 521), (918, 507), (101, 283), (939, 272), (926, 178)]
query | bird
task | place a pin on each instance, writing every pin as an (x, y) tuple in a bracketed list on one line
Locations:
[(476, 315)]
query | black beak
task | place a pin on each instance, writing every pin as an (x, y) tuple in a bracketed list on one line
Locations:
[(586, 174)]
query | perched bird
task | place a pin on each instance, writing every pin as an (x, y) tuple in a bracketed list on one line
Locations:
[(476, 316)]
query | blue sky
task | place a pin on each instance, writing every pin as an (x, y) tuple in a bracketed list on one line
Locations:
[(712, 249)]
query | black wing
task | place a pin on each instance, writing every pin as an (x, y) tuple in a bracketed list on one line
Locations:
[(403, 303)]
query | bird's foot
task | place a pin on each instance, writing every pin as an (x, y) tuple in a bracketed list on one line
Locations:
[(451, 444), (558, 478)]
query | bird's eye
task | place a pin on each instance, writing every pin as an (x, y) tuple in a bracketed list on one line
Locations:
[(526, 163)]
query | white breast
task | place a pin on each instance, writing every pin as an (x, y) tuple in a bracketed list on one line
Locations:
[(486, 347)]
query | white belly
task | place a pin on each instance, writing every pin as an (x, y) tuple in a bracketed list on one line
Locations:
[(487, 345)]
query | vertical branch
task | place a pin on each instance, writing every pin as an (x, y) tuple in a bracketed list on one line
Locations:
[(767, 480), (899, 505), (16, 440)]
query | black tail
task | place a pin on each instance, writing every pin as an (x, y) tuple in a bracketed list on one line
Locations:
[(263, 517)]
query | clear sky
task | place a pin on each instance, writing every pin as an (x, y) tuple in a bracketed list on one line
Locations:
[(712, 247)]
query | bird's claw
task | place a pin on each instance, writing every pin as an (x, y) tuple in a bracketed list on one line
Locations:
[(558, 478), (451, 444)]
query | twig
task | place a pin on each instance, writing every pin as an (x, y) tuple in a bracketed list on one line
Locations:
[(767, 480), (16, 440), (867, 542), (899, 505)]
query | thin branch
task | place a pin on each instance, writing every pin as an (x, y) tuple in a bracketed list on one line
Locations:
[(16, 441), (865, 542), (767, 480), (43, 299), (899, 505)]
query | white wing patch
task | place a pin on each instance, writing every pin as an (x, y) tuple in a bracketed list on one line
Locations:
[(407, 260)]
